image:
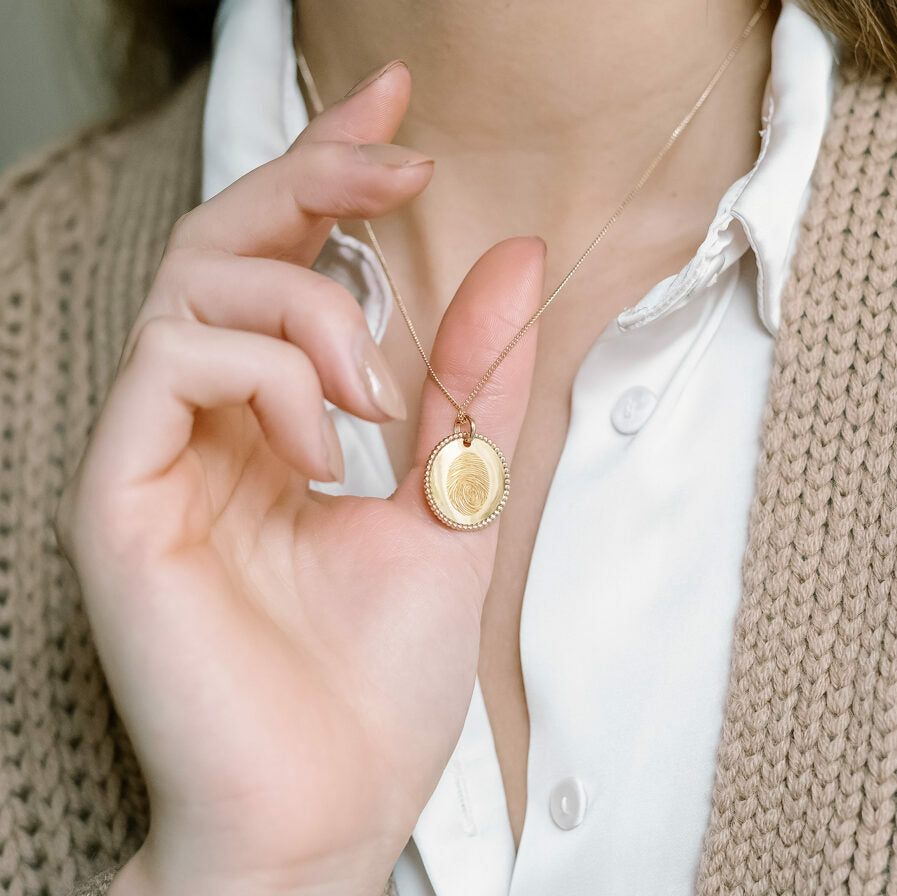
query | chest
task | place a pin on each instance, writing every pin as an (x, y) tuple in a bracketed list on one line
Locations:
[(613, 598), (500, 669)]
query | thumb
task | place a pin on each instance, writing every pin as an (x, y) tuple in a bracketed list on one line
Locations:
[(497, 297)]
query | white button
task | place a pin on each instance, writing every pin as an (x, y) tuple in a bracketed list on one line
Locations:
[(632, 409), (567, 803)]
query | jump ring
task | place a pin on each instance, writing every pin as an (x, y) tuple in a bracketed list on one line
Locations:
[(464, 417)]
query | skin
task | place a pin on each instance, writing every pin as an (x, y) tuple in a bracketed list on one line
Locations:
[(294, 669), (576, 128)]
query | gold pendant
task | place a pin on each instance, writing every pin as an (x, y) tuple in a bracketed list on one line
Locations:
[(467, 479)]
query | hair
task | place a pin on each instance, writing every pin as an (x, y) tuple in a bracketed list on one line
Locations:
[(154, 43), (158, 41), (866, 30)]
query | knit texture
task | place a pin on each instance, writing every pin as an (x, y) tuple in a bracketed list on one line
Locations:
[(803, 799), (83, 226), (82, 229), (804, 795)]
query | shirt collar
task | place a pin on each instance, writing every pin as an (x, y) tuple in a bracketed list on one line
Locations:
[(762, 209), (254, 110)]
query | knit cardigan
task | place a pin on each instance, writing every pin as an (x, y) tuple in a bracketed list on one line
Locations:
[(805, 788)]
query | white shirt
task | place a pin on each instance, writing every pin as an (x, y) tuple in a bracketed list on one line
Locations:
[(635, 576)]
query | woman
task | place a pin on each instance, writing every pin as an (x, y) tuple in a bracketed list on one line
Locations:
[(701, 438)]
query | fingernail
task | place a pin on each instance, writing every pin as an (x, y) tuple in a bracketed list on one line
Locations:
[(334, 453), (382, 388), (375, 76), (390, 155)]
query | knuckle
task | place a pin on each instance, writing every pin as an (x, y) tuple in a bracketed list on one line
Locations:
[(169, 294), (180, 231), (288, 175), (180, 269), (339, 305), (114, 525), (90, 520), (297, 362), (159, 337), (315, 182), (103, 526), (177, 260), (285, 362), (306, 193)]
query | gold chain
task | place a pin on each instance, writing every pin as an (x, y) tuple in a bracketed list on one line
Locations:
[(461, 408)]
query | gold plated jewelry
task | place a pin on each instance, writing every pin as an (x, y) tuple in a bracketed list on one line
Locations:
[(467, 479)]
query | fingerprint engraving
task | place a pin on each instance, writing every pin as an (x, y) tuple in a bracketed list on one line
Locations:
[(467, 483)]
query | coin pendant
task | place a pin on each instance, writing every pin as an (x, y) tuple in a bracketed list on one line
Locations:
[(467, 481)]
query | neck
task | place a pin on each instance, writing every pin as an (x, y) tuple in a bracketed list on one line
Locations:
[(487, 74), (573, 99)]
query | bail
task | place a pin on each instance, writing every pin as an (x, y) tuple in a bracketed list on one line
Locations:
[(462, 418)]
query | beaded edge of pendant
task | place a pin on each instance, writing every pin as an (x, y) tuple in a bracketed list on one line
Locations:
[(506, 470)]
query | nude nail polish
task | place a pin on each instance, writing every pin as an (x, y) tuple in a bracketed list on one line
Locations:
[(335, 462), (376, 76), (382, 388), (391, 156)]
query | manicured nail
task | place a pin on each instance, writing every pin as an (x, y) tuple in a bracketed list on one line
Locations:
[(335, 461), (390, 155), (375, 76), (382, 388)]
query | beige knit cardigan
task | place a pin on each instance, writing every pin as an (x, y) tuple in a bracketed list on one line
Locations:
[(804, 794)]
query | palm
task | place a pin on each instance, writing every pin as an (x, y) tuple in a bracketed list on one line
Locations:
[(343, 646)]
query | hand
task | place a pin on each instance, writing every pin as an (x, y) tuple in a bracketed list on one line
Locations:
[(294, 669)]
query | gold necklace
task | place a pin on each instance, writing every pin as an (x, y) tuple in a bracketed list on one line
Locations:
[(467, 480)]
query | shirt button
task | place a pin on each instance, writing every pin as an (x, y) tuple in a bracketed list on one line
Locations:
[(632, 409), (567, 803)]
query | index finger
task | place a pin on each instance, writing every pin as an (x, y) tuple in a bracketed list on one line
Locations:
[(285, 208)]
